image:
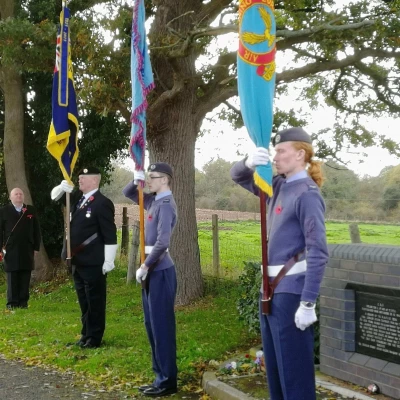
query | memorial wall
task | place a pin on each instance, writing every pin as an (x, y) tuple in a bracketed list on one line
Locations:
[(360, 316)]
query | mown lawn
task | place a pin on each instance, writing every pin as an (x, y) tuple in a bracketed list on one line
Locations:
[(40, 335)]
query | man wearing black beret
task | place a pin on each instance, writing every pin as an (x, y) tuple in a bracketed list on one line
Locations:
[(93, 249), (158, 272)]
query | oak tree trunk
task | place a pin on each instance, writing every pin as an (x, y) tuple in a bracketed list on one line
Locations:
[(14, 161), (184, 246)]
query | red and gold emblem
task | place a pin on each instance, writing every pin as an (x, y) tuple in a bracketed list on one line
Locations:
[(257, 46)]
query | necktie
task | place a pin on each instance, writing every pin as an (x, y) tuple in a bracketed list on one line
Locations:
[(80, 202)]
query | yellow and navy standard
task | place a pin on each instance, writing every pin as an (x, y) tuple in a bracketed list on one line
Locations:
[(20, 234), (62, 142)]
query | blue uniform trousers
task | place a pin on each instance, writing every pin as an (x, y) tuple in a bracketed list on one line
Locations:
[(288, 351), (159, 320)]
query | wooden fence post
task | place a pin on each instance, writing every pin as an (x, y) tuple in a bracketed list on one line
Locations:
[(354, 233), (133, 254), (215, 245), (125, 232)]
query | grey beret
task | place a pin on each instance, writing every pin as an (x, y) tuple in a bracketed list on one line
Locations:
[(291, 135), (160, 167)]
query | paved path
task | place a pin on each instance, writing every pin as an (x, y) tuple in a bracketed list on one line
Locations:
[(18, 382)]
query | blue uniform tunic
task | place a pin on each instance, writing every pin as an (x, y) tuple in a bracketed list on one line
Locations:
[(295, 223), (159, 299)]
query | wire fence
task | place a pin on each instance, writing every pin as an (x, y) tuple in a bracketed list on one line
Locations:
[(239, 240)]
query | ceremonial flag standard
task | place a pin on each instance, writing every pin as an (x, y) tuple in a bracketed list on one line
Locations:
[(142, 84), (256, 77), (256, 84), (62, 142)]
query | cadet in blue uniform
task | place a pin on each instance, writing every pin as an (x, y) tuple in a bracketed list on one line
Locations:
[(19, 240), (158, 271), (93, 247), (296, 227)]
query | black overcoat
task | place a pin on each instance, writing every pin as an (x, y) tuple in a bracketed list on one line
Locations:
[(96, 216), (21, 242)]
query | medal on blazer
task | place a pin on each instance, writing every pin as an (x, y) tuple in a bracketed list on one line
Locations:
[(91, 198), (88, 212)]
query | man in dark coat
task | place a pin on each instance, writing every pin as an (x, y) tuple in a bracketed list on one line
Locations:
[(19, 240), (93, 246)]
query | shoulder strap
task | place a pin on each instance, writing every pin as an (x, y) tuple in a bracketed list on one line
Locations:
[(12, 230), (285, 269)]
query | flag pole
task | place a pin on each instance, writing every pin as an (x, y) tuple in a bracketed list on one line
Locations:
[(266, 290), (141, 219), (68, 225)]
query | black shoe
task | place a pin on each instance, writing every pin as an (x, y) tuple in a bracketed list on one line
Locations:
[(144, 387), (90, 345), (159, 392), (81, 342)]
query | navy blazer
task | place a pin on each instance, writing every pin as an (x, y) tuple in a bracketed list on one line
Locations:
[(95, 216)]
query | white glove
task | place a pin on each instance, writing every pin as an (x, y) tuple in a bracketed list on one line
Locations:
[(110, 250), (141, 273), (66, 187), (304, 317), (138, 176), (58, 191), (260, 156)]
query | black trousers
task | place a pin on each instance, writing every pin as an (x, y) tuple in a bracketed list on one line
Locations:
[(18, 288), (91, 289)]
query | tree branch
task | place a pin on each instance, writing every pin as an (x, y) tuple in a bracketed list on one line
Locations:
[(232, 107), (287, 38), (314, 68), (211, 10), (165, 98), (218, 97)]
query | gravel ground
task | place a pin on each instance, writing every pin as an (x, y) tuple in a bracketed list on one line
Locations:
[(18, 382)]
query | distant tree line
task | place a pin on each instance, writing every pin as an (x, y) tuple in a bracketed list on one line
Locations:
[(347, 196)]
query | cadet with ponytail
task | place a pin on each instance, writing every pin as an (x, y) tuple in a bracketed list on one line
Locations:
[(296, 241)]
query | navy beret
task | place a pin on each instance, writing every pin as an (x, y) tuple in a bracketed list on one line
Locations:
[(89, 171), (291, 135), (162, 167)]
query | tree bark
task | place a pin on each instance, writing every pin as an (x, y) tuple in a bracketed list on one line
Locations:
[(14, 161), (172, 125), (184, 247)]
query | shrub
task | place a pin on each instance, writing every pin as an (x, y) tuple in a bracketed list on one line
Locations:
[(249, 292), (247, 304)]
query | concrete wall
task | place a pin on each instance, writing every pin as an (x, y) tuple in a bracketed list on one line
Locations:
[(372, 265)]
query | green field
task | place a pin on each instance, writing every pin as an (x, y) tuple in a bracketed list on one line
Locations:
[(239, 241)]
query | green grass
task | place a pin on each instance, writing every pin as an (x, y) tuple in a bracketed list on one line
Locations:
[(208, 329), (39, 335), (240, 241)]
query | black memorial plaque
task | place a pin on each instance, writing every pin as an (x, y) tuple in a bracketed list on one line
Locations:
[(378, 326)]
